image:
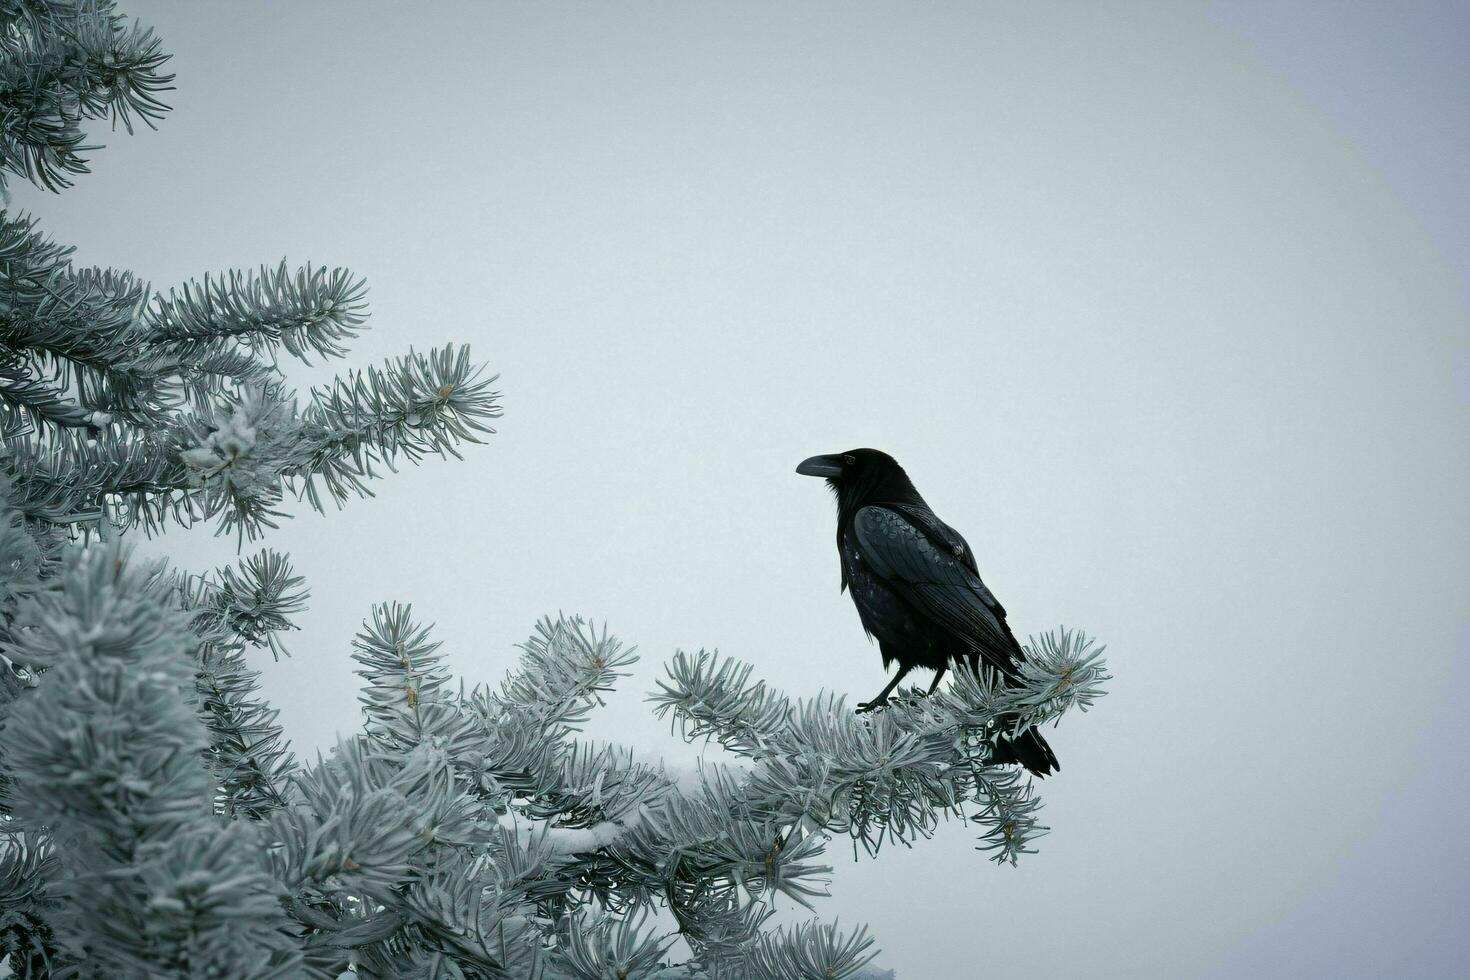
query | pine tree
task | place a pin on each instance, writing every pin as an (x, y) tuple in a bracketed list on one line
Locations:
[(153, 820)]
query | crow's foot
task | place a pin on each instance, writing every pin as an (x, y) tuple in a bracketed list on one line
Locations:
[(865, 706)]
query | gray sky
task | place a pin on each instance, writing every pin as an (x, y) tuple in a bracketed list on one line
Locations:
[(1160, 304)]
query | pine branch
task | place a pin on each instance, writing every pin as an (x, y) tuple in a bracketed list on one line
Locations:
[(250, 606), (105, 757), (314, 311), (418, 404), (454, 915), (1008, 813), (147, 416), (405, 699), (29, 557), (34, 402), (76, 333), (892, 775), (228, 611), (28, 868), (65, 480), (363, 824), (64, 62), (600, 945), (710, 699), (810, 951)]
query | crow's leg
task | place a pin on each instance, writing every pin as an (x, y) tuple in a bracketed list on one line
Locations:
[(882, 697), (938, 676)]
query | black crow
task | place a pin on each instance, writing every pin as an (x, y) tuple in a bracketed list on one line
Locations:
[(914, 582)]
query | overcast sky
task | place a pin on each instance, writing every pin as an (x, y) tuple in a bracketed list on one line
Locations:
[(1162, 305)]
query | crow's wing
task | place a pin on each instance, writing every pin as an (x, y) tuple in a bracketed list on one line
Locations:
[(927, 521), (929, 570)]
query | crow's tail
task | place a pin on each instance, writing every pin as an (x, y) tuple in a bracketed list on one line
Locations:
[(1029, 749)]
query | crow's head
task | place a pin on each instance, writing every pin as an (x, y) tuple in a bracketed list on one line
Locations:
[(862, 476)]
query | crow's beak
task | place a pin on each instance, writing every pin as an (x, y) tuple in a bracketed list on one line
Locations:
[(828, 466)]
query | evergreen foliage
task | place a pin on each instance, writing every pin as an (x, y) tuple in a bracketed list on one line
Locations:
[(153, 820)]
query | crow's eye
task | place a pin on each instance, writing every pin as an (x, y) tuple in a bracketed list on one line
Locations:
[(849, 459)]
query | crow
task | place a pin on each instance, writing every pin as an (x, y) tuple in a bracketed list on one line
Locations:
[(916, 587)]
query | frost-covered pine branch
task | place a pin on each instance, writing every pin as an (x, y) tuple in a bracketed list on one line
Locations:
[(892, 775), (567, 848), (105, 772), (577, 845), (228, 613), (119, 404), (63, 61)]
